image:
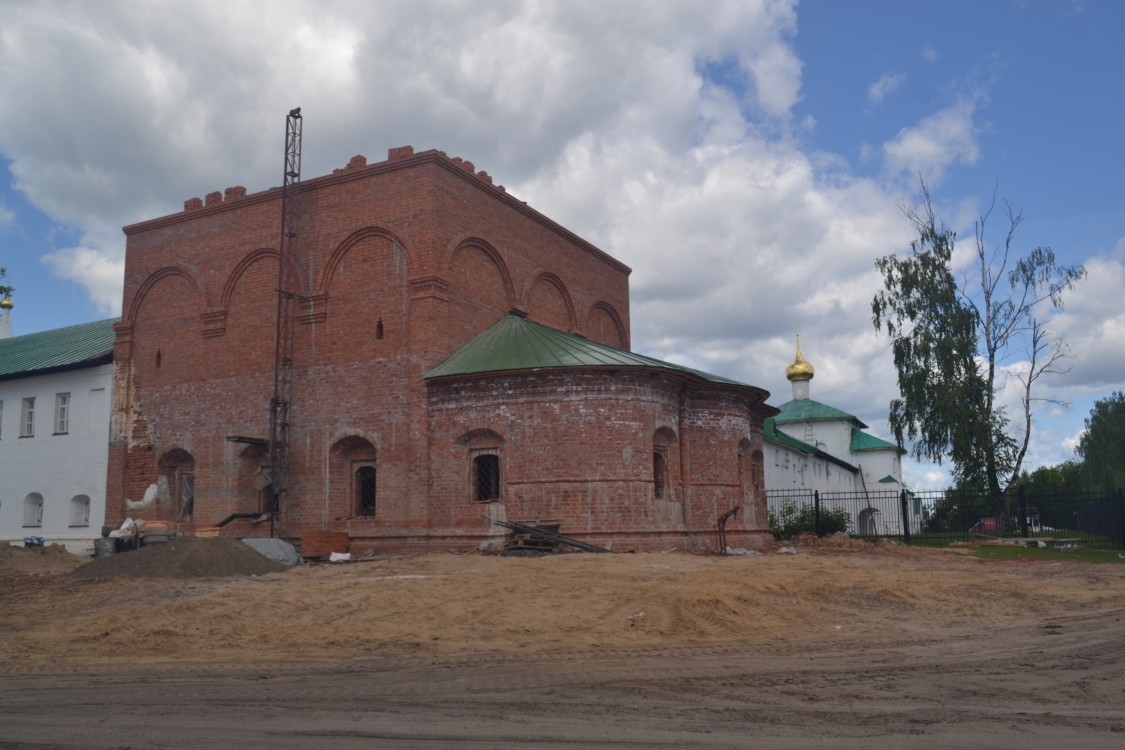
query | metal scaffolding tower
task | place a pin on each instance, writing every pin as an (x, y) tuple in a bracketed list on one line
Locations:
[(287, 288)]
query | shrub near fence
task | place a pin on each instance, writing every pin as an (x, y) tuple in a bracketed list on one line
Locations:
[(941, 517)]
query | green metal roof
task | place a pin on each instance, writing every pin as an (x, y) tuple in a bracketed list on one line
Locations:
[(771, 434), (515, 343), (774, 435), (861, 441), (807, 410), (57, 349)]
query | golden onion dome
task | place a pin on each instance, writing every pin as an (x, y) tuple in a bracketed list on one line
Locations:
[(6, 303), (800, 369)]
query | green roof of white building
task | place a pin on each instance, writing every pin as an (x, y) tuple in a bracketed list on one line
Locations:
[(807, 410), (83, 345)]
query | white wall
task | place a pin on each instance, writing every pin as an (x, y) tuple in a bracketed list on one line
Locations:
[(788, 469), (59, 467)]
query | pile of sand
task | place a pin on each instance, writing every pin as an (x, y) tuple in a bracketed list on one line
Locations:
[(182, 557), (48, 560)]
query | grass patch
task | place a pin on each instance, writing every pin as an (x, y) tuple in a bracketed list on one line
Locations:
[(1013, 552)]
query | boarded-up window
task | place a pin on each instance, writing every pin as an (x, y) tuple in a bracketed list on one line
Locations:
[(660, 472), (33, 510), (80, 510)]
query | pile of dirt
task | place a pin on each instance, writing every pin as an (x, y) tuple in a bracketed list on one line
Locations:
[(182, 557), (47, 560)]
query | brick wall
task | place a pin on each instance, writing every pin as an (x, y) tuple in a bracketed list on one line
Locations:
[(399, 263)]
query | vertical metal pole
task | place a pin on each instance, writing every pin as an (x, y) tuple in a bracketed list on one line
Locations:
[(283, 351), (816, 513), (905, 517), (1021, 495), (1120, 508)]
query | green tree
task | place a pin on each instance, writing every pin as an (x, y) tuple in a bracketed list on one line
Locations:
[(1064, 478), (956, 340), (1102, 446), (4, 287)]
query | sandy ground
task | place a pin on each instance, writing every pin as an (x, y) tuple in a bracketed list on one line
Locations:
[(842, 645)]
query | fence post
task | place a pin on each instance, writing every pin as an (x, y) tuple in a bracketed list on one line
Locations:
[(905, 517), (816, 513), (1121, 513), (1021, 494)]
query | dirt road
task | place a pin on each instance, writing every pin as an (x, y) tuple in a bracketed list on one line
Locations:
[(845, 646)]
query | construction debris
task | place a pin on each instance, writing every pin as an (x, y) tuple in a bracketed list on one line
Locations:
[(540, 537)]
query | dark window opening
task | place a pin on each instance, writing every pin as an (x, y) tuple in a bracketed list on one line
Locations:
[(379, 329), (659, 474), (185, 491), (486, 477), (158, 358), (365, 490)]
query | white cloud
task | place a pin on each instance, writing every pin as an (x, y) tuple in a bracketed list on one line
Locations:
[(96, 269), (930, 147), (928, 53), (1093, 324), (887, 84), (608, 124), (601, 115), (7, 217)]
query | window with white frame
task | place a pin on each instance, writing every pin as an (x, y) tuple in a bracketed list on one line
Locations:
[(27, 418), (33, 510), (62, 413)]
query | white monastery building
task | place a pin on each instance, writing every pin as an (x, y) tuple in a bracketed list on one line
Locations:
[(814, 447), (55, 389)]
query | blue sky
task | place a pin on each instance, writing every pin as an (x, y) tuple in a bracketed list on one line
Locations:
[(748, 162)]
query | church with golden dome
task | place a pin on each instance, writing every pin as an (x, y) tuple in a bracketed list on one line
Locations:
[(811, 446)]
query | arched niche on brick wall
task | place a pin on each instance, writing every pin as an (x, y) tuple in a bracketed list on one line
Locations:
[(176, 484), (603, 324), (480, 289), (365, 296), (246, 323), (485, 465), (352, 478), (251, 482), (548, 302), (751, 481), (665, 464), (165, 315)]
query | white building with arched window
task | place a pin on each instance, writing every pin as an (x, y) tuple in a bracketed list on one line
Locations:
[(55, 391)]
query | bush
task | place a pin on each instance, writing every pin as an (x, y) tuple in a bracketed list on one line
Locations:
[(791, 519)]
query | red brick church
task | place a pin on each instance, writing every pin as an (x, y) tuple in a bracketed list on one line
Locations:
[(457, 357)]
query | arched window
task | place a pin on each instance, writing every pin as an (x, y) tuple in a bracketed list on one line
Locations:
[(352, 477), (660, 471), (365, 491), (33, 510), (485, 450), (177, 469), (486, 477), (80, 510), (664, 463)]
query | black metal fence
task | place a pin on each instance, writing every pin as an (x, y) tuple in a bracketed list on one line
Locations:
[(940, 517)]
